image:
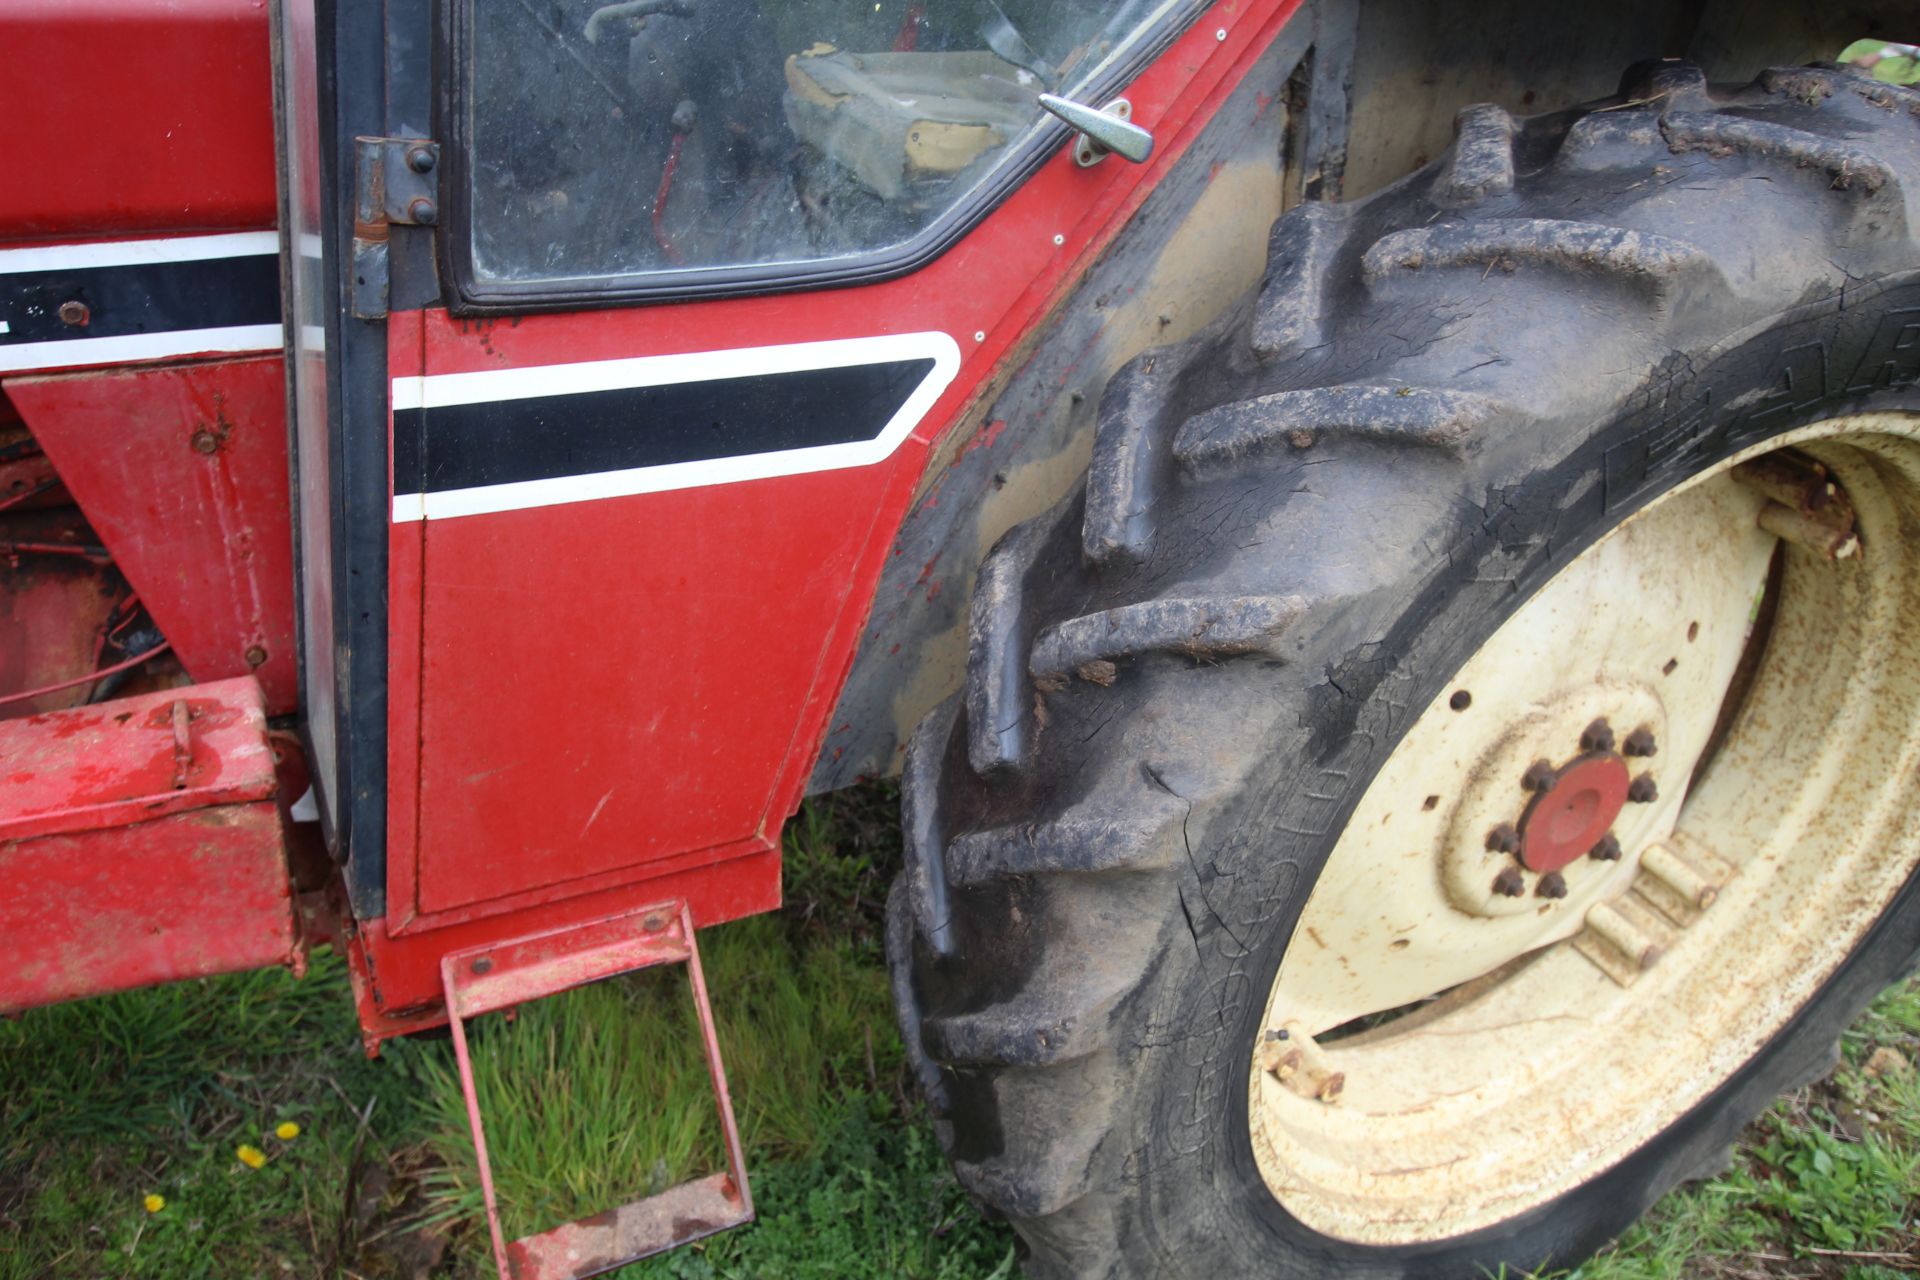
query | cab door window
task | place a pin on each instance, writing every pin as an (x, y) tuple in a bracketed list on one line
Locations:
[(677, 141)]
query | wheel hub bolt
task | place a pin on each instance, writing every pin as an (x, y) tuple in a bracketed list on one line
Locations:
[(1510, 883), (1503, 839), (1639, 743), (1642, 790), (1607, 850), (1552, 885), (1540, 776), (1597, 736)]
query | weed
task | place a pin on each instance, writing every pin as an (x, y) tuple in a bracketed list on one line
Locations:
[(876, 1200), (104, 1102), (841, 853)]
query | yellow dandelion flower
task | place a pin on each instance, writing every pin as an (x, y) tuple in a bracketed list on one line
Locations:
[(250, 1156), (155, 1203), (287, 1131)]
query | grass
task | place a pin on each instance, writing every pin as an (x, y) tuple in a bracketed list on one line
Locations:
[(608, 1080), (1826, 1184), (600, 1095), (106, 1101), (592, 1098)]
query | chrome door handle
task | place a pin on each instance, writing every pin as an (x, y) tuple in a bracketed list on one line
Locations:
[(1102, 130)]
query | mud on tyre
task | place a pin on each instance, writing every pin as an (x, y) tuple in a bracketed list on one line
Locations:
[(1297, 531)]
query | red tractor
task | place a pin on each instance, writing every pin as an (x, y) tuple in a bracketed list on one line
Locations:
[(1393, 597)]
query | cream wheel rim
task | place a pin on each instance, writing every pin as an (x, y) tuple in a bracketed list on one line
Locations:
[(1454, 1035)]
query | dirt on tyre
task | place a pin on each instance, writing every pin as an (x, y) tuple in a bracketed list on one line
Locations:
[(1454, 759)]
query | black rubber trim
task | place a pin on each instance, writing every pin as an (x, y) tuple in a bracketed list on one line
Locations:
[(466, 295), (141, 297), (352, 42), (546, 437)]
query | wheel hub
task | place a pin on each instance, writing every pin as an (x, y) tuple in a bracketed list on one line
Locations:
[(1526, 832), (1567, 820)]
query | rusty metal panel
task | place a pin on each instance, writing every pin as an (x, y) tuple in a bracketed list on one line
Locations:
[(674, 1217), (182, 471), (58, 601), (140, 842)]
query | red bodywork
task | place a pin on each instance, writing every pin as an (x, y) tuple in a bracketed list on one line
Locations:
[(126, 117), (593, 707), (600, 766), (182, 472), (121, 826)]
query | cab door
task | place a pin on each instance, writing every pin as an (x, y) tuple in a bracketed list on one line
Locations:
[(707, 282)]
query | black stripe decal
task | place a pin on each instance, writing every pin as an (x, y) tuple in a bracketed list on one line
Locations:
[(466, 446), (139, 298)]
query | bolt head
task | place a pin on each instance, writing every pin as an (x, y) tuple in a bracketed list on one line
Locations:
[(654, 921), (1597, 736), (1503, 839), (1552, 885), (1640, 743), (1607, 850), (483, 964), (75, 313), (1510, 883), (1540, 776), (420, 159), (1643, 790), (204, 441), (256, 655), (423, 211)]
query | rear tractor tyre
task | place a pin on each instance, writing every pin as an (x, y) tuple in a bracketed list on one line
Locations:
[(1454, 760)]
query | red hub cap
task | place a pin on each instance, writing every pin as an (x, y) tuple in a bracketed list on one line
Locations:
[(1567, 819)]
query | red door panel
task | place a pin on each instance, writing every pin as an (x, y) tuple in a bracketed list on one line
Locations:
[(644, 662), (590, 694)]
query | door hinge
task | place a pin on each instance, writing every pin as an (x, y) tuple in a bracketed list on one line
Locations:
[(395, 184)]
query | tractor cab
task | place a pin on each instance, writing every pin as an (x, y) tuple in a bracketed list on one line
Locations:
[(620, 337)]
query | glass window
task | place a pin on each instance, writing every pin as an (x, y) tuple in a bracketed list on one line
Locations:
[(656, 136)]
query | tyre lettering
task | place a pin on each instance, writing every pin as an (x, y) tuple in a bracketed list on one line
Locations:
[(1892, 359)]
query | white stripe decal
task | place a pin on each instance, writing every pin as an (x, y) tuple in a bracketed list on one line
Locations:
[(71, 352), (445, 389), (123, 253), (438, 390)]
